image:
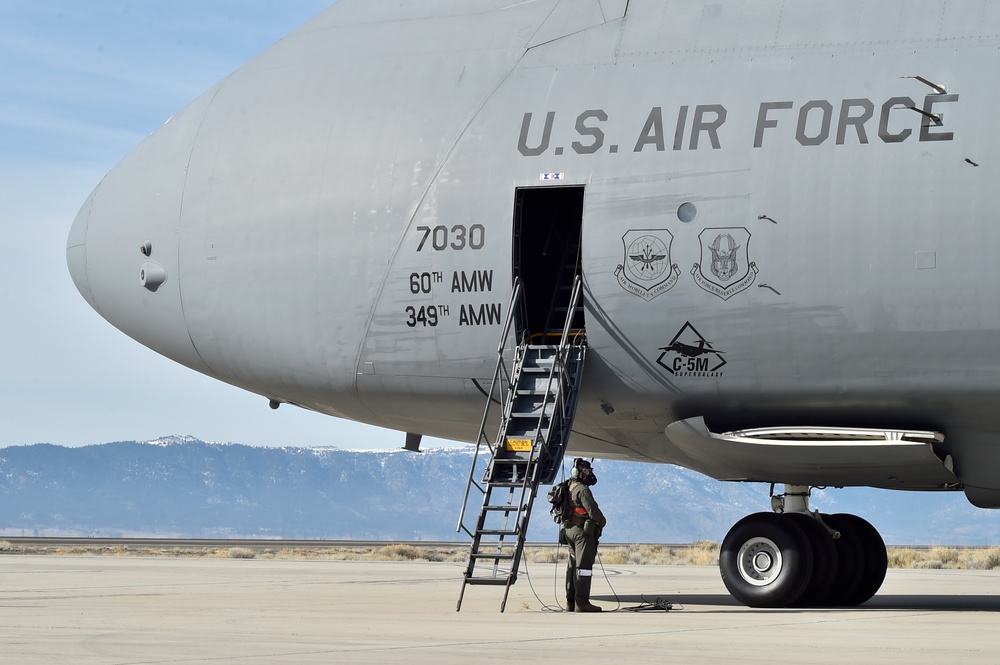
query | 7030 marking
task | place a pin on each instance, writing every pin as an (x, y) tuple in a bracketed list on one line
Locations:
[(457, 237)]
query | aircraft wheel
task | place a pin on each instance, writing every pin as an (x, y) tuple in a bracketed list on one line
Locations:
[(874, 559), (850, 561), (766, 561), (824, 572)]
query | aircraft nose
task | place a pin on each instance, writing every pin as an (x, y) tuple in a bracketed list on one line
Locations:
[(122, 250), (76, 251)]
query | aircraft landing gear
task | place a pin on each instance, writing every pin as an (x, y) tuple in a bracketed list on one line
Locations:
[(798, 558)]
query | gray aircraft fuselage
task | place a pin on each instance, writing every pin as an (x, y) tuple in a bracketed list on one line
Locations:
[(780, 225)]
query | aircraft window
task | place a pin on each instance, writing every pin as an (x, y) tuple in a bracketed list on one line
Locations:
[(687, 212)]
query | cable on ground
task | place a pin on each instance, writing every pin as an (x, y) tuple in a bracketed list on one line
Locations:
[(657, 604)]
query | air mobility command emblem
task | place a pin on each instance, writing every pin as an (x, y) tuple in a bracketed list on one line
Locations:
[(725, 267), (646, 270)]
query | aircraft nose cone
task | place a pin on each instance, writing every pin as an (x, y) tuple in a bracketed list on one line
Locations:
[(76, 251), (123, 247)]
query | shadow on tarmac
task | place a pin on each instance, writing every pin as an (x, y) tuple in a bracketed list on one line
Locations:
[(961, 603), (896, 602)]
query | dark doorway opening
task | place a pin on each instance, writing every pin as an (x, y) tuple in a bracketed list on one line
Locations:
[(547, 232)]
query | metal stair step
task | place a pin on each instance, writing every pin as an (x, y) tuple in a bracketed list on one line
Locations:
[(533, 407), (510, 461), (532, 361), (534, 415), (484, 581), (496, 532), (526, 434), (520, 412), (478, 555), (528, 390)]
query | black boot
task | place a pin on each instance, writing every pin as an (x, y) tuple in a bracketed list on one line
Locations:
[(570, 589), (583, 595)]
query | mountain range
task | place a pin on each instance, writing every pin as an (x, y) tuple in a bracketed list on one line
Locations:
[(180, 486)]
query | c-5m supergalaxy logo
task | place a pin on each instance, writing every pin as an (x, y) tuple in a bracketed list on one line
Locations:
[(690, 354), (725, 267), (646, 270)]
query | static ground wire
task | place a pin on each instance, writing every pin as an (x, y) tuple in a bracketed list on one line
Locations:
[(556, 588), (657, 604)]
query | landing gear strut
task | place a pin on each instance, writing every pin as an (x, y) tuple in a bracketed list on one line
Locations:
[(795, 557)]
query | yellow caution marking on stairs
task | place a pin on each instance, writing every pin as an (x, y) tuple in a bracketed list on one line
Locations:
[(519, 445)]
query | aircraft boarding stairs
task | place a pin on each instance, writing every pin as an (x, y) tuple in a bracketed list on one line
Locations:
[(538, 395)]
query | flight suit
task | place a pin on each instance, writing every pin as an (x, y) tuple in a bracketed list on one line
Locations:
[(582, 540)]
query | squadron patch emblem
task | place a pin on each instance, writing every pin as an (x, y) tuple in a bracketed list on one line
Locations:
[(646, 270), (690, 354), (725, 267)]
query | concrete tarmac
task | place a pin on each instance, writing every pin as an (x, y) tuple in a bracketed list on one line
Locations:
[(109, 610)]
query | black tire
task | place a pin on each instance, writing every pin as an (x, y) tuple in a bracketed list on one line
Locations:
[(850, 562), (766, 561), (824, 573), (874, 558)]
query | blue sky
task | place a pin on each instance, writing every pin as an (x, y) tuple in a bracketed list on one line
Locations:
[(81, 83)]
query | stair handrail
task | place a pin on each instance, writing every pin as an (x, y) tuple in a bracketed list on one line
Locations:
[(564, 344), (559, 360), (517, 294)]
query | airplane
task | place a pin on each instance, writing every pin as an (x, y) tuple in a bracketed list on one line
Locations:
[(339, 224), (689, 350)]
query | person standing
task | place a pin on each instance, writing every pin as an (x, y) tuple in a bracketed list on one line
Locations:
[(582, 532)]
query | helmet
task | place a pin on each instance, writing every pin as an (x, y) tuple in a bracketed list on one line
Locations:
[(583, 472)]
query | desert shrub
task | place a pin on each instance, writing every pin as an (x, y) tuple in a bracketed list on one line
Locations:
[(987, 559), (991, 558), (545, 554), (902, 557), (928, 564), (241, 553), (948, 557), (705, 553), (615, 556), (400, 553)]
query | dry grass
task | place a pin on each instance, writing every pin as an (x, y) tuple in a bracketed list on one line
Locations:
[(704, 553), (973, 558)]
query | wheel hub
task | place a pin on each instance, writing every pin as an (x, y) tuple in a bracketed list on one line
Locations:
[(762, 562), (759, 561)]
